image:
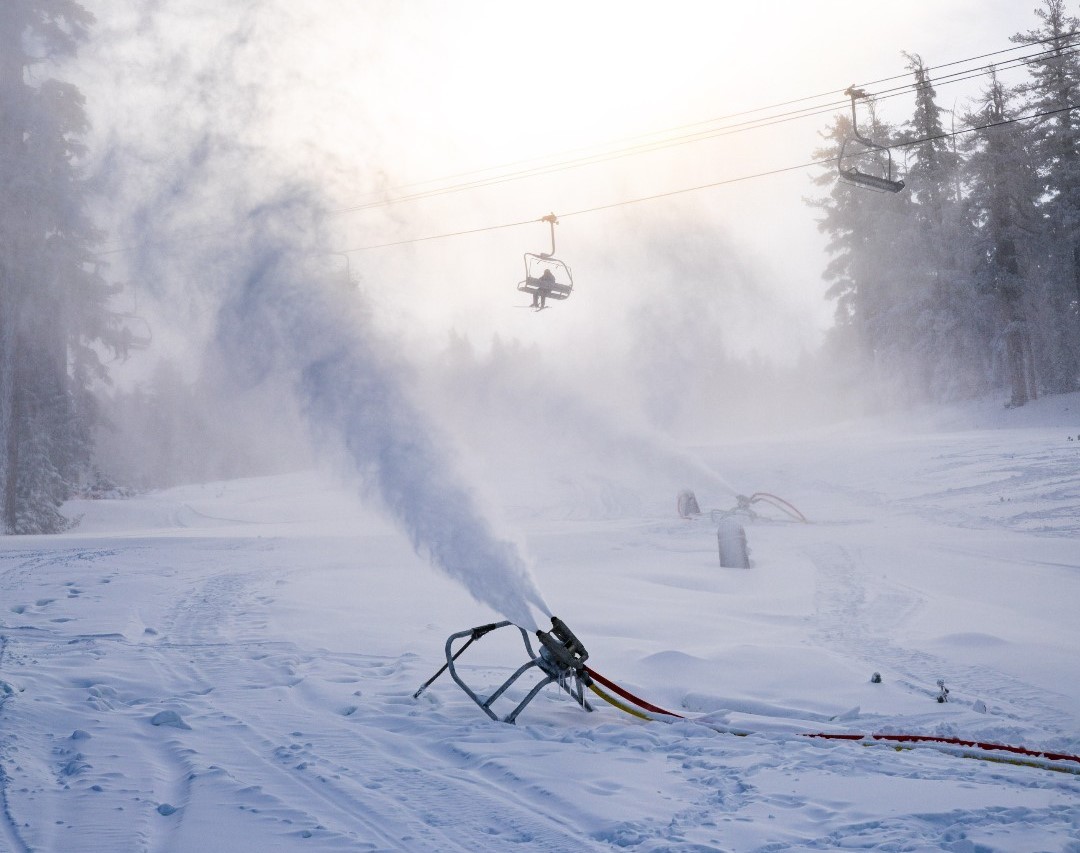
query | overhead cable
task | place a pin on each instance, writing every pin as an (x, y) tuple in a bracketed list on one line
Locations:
[(811, 111), (714, 184)]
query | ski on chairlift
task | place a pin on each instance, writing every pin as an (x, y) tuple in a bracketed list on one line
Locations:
[(881, 179), (546, 277)]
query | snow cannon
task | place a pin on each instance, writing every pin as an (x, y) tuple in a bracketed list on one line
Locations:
[(687, 504), (560, 659), (731, 542), (562, 653)]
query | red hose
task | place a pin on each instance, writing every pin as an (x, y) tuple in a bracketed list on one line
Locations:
[(780, 503), (630, 697), (955, 741), (894, 738)]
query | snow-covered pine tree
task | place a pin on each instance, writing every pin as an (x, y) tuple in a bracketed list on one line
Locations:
[(870, 240), (931, 164), (52, 301), (1000, 206), (1054, 90), (945, 316)]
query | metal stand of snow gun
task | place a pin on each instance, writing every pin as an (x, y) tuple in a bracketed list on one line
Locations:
[(561, 659), (688, 506), (473, 634)]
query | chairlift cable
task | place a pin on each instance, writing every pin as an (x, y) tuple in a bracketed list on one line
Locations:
[(527, 173), (970, 73), (766, 121), (981, 56), (709, 133), (714, 184), (443, 236), (601, 207), (829, 161), (741, 113)]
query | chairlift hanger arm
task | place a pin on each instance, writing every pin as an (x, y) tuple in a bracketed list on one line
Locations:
[(855, 94), (551, 220)]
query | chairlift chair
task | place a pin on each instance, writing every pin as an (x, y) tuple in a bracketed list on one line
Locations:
[(848, 172), (135, 331), (546, 277)]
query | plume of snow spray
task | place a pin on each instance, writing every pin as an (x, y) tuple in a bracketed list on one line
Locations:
[(226, 214), (349, 394), (353, 393)]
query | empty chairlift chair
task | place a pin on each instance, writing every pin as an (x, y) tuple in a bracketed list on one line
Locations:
[(858, 149)]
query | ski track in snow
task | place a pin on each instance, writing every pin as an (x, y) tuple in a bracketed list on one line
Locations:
[(159, 702), (347, 790), (850, 619)]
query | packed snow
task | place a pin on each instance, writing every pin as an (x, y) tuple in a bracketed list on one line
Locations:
[(231, 666)]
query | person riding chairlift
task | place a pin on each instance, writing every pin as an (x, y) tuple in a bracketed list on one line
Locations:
[(545, 284)]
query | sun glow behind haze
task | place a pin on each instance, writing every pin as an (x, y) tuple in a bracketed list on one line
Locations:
[(368, 100), (471, 91)]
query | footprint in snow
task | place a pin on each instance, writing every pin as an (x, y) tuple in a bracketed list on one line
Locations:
[(169, 718)]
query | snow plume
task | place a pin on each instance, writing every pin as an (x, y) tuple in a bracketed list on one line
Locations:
[(221, 215), (396, 455), (292, 315)]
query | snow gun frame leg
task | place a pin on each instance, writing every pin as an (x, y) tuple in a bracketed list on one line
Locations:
[(561, 659)]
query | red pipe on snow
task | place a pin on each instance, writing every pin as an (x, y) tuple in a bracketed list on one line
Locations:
[(955, 741), (630, 697), (930, 740)]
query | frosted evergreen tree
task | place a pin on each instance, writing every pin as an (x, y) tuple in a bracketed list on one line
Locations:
[(870, 241), (1003, 190), (947, 327), (931, 164), (52, 301), (1054, 90)]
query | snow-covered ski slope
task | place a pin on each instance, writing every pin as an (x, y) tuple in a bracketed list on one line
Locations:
[(230, 666)]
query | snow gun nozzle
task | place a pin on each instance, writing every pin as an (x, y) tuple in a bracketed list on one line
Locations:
[(564, 649)]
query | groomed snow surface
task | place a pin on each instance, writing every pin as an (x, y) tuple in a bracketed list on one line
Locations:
[(231, 666)]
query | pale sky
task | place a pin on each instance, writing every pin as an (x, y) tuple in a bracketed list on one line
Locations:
[(364, 96)]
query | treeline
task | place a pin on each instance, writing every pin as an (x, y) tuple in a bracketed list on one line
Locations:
[(968, 281), (54, 322)]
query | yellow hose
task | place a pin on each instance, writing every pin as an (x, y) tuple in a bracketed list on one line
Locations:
[(611, 700)]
